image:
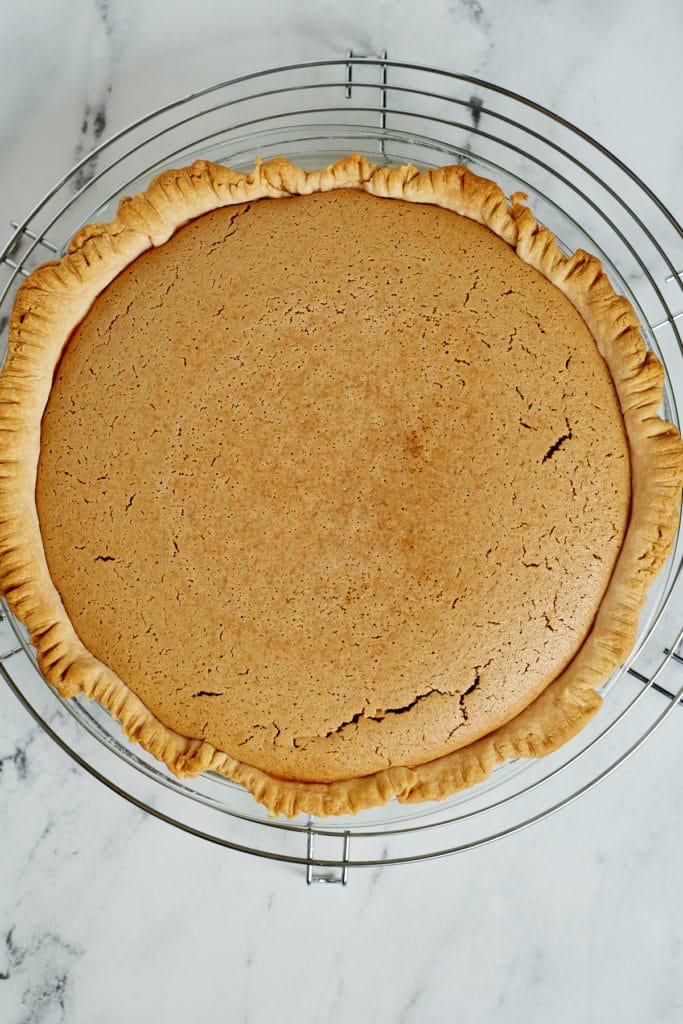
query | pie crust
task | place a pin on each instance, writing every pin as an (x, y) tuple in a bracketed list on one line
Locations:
[(53, 306)]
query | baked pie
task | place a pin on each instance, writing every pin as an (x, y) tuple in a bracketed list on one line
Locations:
[(346, 484)]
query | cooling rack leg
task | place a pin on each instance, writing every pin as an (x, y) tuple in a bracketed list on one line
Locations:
[(352, 59), (332, 872)]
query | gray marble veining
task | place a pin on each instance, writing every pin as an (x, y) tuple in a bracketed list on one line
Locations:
[(106, 914)]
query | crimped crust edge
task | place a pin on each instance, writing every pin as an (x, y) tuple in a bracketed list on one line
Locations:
[(56, 297)]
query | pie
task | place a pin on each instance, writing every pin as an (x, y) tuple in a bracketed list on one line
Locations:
[(346, 484)]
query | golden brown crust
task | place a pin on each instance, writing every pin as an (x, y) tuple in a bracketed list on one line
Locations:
[(57, 296)]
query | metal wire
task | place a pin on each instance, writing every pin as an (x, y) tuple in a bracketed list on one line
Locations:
[(300, 125), (311, 830)]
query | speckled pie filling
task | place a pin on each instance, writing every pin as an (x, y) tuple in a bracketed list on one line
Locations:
[(333, 483), (347, 484)]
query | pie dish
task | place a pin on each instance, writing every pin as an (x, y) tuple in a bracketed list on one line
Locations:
[(346, 484)]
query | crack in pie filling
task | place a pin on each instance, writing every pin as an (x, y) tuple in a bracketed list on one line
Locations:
[(346, 484)]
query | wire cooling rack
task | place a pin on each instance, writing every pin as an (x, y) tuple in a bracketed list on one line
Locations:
[(392, 112)]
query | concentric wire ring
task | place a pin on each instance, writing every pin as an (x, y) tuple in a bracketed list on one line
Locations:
[(393, 112)]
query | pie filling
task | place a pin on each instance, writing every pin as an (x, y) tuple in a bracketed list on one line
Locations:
[(333, 483)]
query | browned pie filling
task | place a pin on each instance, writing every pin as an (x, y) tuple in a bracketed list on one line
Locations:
[(333, 483)]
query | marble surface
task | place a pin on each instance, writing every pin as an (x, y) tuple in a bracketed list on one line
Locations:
[(107, 914)]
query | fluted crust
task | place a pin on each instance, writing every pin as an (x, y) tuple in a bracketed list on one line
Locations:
[(56, 297)]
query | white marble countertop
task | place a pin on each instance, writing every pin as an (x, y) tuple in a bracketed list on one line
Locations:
[(107, 914)]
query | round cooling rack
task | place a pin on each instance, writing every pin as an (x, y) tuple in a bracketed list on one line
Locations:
[(393, 113)]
